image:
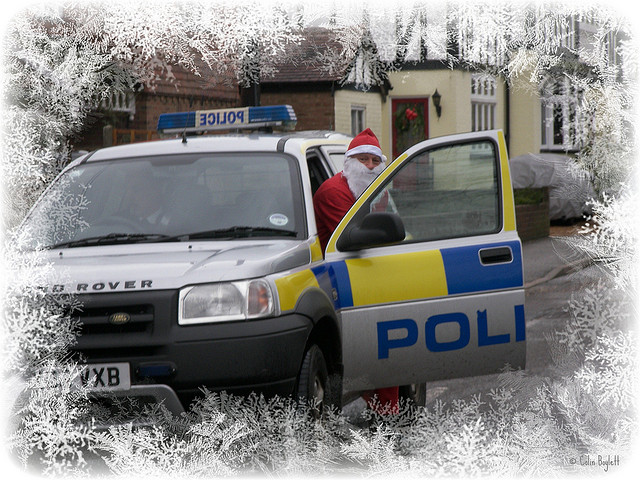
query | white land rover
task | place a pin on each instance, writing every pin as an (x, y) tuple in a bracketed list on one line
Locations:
[(196, 263)]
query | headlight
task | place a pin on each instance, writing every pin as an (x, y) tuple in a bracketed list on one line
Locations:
[(221, 302)]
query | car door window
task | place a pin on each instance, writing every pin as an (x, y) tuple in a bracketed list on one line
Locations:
[(317, 171), (334, 154), (447, 192)]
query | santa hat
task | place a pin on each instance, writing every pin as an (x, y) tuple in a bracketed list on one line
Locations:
[(365, 142)]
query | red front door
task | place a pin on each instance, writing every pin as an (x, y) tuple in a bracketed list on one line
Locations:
[(410, 123)]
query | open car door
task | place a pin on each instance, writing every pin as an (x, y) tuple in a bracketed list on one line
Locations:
[(426, 267)]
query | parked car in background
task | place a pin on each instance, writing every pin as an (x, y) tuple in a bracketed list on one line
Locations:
[(569, 190)]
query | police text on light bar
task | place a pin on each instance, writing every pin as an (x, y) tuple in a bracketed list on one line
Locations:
[(227, 119)]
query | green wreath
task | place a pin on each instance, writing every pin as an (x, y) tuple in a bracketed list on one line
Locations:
[(408, 119)]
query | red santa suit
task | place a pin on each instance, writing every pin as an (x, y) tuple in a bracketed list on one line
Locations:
[(332, 200)]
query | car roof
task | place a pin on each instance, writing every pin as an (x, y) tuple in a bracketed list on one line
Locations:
[(259, 142)]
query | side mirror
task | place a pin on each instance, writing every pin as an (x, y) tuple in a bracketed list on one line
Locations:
[(376, 229)]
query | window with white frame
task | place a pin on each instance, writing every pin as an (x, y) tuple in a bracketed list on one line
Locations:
[(483, 102), (565, 29), (357, 119), (121, 102), (611, 44), (559, 117)]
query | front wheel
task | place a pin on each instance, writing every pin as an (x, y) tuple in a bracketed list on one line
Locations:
[(313, 381)]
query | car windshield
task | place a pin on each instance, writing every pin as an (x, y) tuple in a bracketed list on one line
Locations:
[(170, 198)]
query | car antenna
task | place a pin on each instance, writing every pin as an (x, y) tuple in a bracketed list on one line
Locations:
[(184, 131)]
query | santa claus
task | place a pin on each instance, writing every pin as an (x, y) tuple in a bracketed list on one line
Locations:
[(363, 162)]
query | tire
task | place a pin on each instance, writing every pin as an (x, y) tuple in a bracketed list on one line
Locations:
[(414, 394), (313, 386)]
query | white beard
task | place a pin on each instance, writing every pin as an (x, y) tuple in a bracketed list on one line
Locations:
[(358, 176)]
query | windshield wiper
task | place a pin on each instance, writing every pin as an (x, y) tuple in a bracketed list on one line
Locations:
[(112, 239), (233, 232), (121, 238)]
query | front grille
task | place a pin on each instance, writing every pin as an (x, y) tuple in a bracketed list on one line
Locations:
[(97, 321), (150, 316)]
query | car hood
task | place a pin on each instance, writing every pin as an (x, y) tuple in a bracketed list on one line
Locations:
[(119, 268)]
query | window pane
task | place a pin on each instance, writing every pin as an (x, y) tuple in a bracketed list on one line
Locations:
[(474, 113), (354, 120), (543, 130), (558, 138), (357, 120), (445, 193)]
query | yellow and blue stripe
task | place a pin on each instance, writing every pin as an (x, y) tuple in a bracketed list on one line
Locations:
[(406, 277)]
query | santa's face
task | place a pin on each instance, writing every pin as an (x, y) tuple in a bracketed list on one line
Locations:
[(360, 170)]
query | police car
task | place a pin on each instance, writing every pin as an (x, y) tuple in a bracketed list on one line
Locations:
[(196, 263)]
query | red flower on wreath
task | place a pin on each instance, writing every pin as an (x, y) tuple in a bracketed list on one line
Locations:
[(409, 120), (410, 114)]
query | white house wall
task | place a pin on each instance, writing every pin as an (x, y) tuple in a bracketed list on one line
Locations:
[(454, 87), (372, 102), (524, 135)]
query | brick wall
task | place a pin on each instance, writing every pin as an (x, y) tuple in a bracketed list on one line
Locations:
[(314, 109), (186, 92), (149, 106)]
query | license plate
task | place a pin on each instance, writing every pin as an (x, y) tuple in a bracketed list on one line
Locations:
[(106, 376)]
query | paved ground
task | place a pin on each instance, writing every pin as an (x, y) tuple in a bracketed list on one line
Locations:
[(549, 257)]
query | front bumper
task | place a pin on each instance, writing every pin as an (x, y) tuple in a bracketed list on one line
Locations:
[(238, 357)]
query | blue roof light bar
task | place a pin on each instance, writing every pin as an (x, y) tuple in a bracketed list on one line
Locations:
[(228, 119)]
